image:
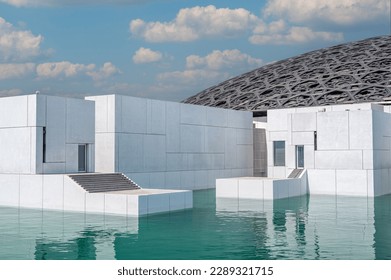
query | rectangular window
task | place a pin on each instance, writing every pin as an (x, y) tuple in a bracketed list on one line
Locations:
[(315, 140), (279, 153), (44, 144), (82, 155), (299, 156)]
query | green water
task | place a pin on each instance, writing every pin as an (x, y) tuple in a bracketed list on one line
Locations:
[(316, 227)]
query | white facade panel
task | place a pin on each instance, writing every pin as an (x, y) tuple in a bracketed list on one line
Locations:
[(322, 181), (201, 179), (192, 139), (244, 137), (80, 126), (9, 189), (177, 201), (304, 122), (278, 119), (154, 153), (368, 162), (158, 203), (309, 157), (95, 203), (55, 129), (349, 159), (360, 130), (352, 182), (31, 191), (177, 161), (133, 115), (71, 165), (187, 180), (173, 133), (130, 152), (74, 196), (115, 204), (231, 153), (15, 150), (193, 114), (214, 139), (156, 117), (53, 192), (14, 111), (250, 189), (333, 130), (216, 117), (303, 138), (105, 152), (102, 113), (173, 180), (227, 188), (157, 180)]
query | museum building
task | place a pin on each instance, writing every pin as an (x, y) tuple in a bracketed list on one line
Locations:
[(318, 123)]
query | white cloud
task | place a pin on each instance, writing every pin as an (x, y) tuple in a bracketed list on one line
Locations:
[(144, 55), (62, 69), (191, 76), (197, 22), (17, 44), (294, 35), (214, 67), (107, 70), (49, 3), (223, 60), (15, 70), (337, 11), (66, 69)]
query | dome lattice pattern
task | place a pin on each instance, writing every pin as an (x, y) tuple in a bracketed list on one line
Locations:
[(349, 73)]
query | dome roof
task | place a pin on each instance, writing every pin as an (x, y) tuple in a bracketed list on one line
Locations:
[(349, 73)]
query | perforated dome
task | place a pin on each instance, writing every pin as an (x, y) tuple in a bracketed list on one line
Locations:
[(349, 73)]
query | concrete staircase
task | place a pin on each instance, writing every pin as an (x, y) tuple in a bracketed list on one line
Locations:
[(104, 182), (295, 173)]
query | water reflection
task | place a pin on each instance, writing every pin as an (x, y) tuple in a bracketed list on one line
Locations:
[(316, 227)]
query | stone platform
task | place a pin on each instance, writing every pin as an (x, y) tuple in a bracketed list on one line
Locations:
[(261, 187), (60, 192)]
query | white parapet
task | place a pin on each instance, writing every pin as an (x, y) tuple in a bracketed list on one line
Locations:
[(59, 192), (261, 188)]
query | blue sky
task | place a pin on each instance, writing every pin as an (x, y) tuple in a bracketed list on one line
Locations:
[(165, 49)]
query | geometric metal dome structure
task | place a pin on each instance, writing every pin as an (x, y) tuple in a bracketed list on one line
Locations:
[(355, 72)]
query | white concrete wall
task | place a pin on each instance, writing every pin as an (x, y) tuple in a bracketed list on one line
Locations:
[(353, 155), (59, 192), (171, 145), (17, 134), (68, 122)]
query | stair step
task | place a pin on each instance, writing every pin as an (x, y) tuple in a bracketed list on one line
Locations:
[(104, 182), (295, 173)]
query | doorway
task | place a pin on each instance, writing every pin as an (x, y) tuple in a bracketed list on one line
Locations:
[(299, 156), (82, 157)]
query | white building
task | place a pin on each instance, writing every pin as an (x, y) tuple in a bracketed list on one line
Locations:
[(45, 141), (338, 150), (46, 134), (171, 145)]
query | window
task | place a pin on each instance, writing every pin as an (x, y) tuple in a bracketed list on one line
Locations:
[(279, 153), (315, 140), (44, 144), (82, 154), (299, 156)]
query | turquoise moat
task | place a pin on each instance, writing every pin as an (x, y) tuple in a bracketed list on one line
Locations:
[(307, 227)]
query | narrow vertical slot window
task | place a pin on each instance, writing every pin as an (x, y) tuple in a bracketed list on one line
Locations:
[(44, 144)]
